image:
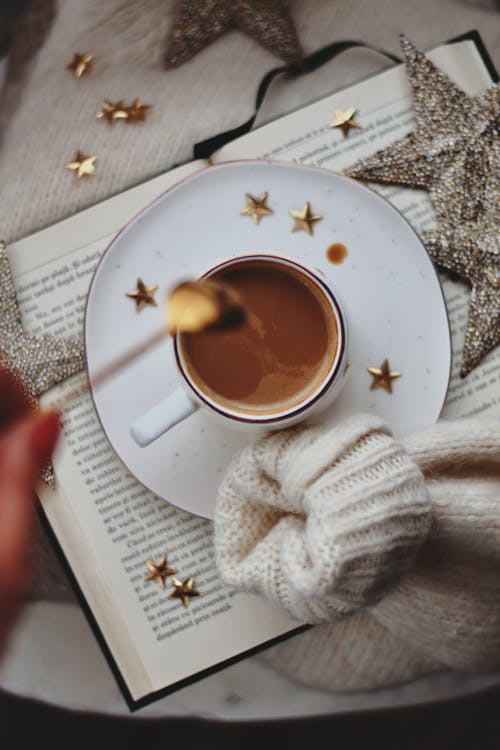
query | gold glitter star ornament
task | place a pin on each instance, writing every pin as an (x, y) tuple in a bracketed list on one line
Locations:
[(345, 121), (304, 219), (39, 362), (256, 207), (201, 22), (383, 376), (80, 64), (454, 153), (159, 571), (82, 165), (143, 295), (112, 111), (183, 590)]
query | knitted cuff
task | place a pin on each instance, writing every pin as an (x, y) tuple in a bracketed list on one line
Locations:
[(321, 522)]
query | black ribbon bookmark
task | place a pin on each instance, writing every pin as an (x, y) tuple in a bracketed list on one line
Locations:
[(205, 149)]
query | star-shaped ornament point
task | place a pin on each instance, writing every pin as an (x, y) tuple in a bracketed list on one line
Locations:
[(82, 165), (38, 362), (454, 153), (143, 295), (345, 121), (383, 376), (201, 22), (81, 64), (159, 571), (184, 590), (256, 207), (304, 219)]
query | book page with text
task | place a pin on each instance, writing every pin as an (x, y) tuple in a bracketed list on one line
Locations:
[(385, 112), (105, 521)]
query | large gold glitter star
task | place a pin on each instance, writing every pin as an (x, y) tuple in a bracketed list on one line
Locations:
[(159, 571), (80, 64), (201, 22), (82, 165), (304, 219), (39, 362), (112, 111), (256, 207), (454, 153), (383, 376), (183, 590), (137, 111), (143, 295), (345, 121)]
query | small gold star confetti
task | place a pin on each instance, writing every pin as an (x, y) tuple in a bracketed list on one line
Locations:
[(454, 153), (112, 111), (38, 362), (137, 111), (201, 22), (345, 121), (143, 295), (80, 64), (256, 207), (383, 376), (82, 165), (159, 571), (304, 219), (183, 590)]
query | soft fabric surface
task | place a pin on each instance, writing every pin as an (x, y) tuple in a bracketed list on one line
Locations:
[(394, 544)]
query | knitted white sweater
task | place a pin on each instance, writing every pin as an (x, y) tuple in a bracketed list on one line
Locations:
[(404, 538)]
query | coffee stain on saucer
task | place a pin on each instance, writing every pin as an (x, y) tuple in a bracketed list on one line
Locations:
[(337, 253)]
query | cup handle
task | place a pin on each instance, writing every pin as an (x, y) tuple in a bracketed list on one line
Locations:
[(162, 417)]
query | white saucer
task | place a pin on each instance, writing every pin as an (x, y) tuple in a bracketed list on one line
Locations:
[(387, 284)]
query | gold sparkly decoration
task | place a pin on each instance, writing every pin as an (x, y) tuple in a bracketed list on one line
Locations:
[(345, 121), (383, 376), (143, 295), (82, 165), (80, 64), (304, 219), (256, 207), (201, 22), (454, 153), (136, 111), (183, 590), (39, 362), (159, 571), (113, 111)]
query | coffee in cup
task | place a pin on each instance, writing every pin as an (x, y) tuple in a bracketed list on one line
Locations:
[(287, 361)]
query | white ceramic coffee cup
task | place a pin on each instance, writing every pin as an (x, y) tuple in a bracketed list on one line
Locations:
[(189, 397)]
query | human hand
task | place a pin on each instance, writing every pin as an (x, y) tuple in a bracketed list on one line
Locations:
[(26, 441)]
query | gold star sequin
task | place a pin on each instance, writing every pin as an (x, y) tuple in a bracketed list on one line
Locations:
[(143, 295), (183, 590), (454, 153), (383, 376), (304, 219), (345, 121), (136, 111), (38, 362), (112, 111), (80, 64), (256, 207), (82, 165), (200, 22), (159, 571)]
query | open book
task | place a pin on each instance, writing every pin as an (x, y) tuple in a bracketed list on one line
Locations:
[(105, 523)]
